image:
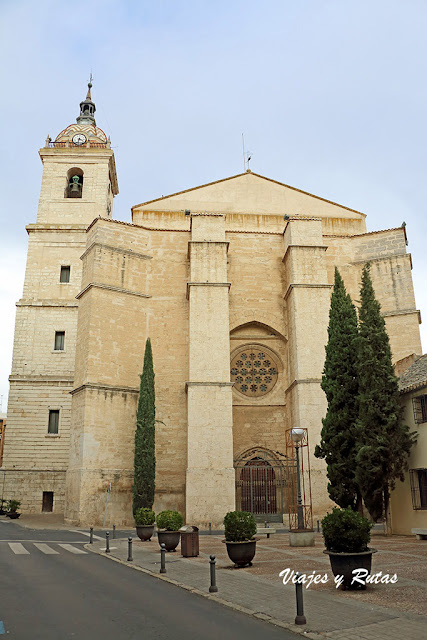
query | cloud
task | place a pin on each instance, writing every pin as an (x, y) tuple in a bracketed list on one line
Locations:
[(328, 95)]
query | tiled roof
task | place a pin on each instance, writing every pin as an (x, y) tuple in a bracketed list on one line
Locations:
[(415, 376)]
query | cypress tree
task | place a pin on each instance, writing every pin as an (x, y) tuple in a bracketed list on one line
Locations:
[(384, 441), (339, 382), (145, 456)]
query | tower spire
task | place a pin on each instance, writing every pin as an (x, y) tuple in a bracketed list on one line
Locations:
[(87, 107)]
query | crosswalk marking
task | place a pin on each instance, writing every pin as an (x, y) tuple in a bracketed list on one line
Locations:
[(85, 533), (44, 548), (69, 547), (18, 548)]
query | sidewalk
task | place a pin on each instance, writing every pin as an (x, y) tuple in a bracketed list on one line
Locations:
[(330, 612)]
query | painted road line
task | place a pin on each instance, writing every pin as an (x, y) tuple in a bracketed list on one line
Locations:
[(18, 548), (71, 549), (44, 548), (2, 627), (85, 533)]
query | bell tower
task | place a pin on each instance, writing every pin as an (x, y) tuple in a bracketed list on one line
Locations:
[(79, 183)]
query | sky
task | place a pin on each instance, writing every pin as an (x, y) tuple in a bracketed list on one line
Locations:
[(330, 95)]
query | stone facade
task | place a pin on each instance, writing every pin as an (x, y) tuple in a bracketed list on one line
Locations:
[(239, 266)]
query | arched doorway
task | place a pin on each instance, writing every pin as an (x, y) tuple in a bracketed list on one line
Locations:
[(258, 487), (260, 484)]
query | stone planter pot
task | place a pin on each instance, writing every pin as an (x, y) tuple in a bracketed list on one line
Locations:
[(343, 564), (241, 553), (144, 531), (169, 538), (12, 515)]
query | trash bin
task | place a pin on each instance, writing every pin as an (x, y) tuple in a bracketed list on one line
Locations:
[(189, 541)]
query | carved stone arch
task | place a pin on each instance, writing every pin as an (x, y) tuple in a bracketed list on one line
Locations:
[(272, 321), (277, 457)]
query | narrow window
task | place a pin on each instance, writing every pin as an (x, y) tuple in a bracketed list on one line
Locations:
[(420, 409), (47, 501), (53, 421), (65, 274), (59, 340), (422, 483), (418, 479)]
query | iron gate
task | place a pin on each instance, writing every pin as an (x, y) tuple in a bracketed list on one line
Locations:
[(261, 484)]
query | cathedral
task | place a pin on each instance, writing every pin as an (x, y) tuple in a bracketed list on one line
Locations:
[(231, 281)]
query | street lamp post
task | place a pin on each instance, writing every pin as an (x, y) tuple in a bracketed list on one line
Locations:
[(297, 436), (299, 488)]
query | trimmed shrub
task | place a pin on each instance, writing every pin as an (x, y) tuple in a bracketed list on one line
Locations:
[(239, 526), (169, 520), (346, 531), (144, 516)]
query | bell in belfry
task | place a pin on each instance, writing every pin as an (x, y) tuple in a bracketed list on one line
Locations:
[(75, 188)]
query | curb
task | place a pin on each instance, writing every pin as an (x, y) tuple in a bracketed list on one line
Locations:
[(226, 603)]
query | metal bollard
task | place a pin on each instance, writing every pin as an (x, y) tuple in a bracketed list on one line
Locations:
[(318, 526), (213, 588), (162, 558), (114, 531), (91, 535), (107, 542), (267, 526), (300, 617), (210, 528), (130, 550)]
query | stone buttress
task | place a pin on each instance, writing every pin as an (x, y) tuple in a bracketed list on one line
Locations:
[(307, 297), (210, 473)]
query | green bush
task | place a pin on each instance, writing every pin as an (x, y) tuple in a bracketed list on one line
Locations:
[(345, 530), (169, 520), (13, 505), (239, 526), (144, 516)]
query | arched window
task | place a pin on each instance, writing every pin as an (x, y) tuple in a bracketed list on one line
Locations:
[(74, 186)]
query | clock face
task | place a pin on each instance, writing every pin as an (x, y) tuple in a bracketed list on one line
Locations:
[(79, 138)]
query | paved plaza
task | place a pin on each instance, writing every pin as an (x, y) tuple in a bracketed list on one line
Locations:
[(392, 611), (383, 611)]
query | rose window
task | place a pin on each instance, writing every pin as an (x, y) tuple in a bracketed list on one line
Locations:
[(252, 373)]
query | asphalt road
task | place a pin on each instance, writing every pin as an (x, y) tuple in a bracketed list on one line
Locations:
[(51, 592)]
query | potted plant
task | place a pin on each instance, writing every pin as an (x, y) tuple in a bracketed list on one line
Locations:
[(240, 527), (144, 520), (346, 534), (12, 508), (168, 525)]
